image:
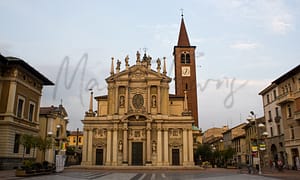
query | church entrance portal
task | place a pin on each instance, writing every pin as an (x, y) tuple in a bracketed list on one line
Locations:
[(137, 153), (99, 156), (175, 157)]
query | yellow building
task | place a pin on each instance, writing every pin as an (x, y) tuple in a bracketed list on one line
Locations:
[(75, 139), (53, 125), (20, 93)]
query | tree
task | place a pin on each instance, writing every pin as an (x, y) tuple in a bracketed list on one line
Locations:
[(27, 141), (228, 154), (44, 144), (204, 150)]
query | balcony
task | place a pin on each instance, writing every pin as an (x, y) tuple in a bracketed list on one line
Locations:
[(285, 98), (277, 119)]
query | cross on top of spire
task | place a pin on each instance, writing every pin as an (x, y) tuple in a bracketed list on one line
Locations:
[(181, 12)]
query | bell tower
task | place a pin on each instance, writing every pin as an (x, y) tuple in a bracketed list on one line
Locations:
[(185, 70)]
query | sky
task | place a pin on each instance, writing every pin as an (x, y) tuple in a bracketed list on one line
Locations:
[(242, 46)]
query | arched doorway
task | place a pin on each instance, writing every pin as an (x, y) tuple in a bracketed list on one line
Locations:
[(295, 156), (274, 153)]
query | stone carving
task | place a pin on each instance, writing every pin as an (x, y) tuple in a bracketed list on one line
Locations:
[(99, 133), (120, 146), (153, 146), (175, 133), (138, 101)]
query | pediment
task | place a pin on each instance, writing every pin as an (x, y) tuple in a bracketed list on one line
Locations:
[(138, 73)]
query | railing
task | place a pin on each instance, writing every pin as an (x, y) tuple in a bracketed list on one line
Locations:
[(286, 97)]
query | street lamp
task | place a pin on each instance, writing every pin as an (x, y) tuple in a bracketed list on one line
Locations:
[(261, 147)]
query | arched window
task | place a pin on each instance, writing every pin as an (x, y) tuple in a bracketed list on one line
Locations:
[(185, 58)]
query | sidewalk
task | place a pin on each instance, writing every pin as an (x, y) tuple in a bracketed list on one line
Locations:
[(284, 174)]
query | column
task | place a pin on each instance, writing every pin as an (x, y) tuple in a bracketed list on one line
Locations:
[(159, 148), (115, 145), (191, 146), (116, 99), (158, 99), (166, 147), (90, 148), (148, 145), (84, 150), (11, 97), (108, 148), (185, 147), (125, 143), (126, 100), (149, 100)]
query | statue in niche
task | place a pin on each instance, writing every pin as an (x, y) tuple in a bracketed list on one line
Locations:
[(122, 101), (154, 146), (153, 101), (120, 146)]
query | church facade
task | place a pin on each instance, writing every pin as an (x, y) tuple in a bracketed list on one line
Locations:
[(138, 122)]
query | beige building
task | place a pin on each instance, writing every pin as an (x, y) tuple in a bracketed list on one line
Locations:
[(235, 138), (53, 125), (275, 149), (211, 134), (20, 93), (289, 101), (255, 140), (138, 122)]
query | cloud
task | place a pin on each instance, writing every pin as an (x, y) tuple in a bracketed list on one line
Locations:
[(244, 45), (281, 24), (274, 16)]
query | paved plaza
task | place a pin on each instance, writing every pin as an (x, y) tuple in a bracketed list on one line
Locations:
[(154, 174)]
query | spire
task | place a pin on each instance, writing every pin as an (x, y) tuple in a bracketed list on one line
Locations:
[(91, 101), (165, 68), (112, 66), (183, 39)]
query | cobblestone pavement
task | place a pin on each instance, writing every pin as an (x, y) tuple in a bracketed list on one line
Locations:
[(157, 174)]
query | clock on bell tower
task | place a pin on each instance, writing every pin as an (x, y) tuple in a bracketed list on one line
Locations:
[(185, 71)]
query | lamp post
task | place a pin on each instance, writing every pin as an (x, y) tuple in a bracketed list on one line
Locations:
[(259, 136), (58, 135), (50, 135)]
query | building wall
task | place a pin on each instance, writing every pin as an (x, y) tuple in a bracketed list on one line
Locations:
[(288, 99), (16, 81)]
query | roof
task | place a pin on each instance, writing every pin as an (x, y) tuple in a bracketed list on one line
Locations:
[(53, 109), (8, 61), (287, 75), (104, 97), (74, 133), (183, 39), (267, 89)]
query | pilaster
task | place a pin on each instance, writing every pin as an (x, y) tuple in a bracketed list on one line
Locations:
[(166, 147), (108, 148), (11, 97)]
